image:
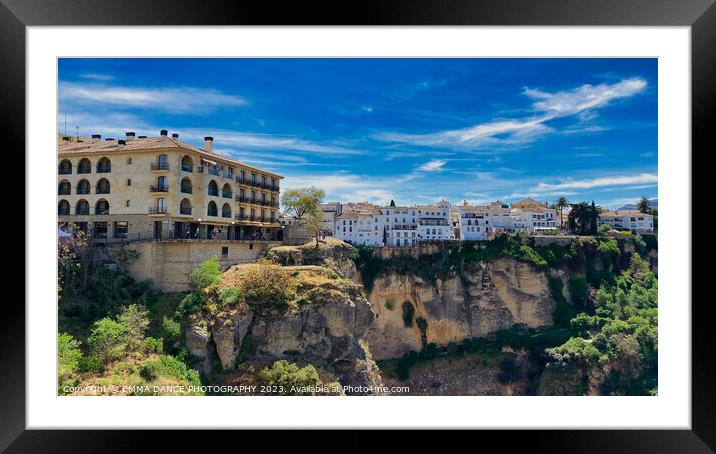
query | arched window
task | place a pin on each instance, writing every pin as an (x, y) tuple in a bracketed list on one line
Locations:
[(185, 207), (84, 166), (83, 187), (101, 207), (65, 167), (82, 207), (186, 185), (65, 188), (103, 186), (226, 211), (187, 164), (211, 209), (213, 188), (104, 166), (226, 191), (63, 208)]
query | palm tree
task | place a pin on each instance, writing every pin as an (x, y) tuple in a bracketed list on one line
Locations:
[(561, 203), (643, 205)]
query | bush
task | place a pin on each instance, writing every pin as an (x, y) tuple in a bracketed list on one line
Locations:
[(190, 304), (289, 375), (69, 356), (151, 370), (135, 318), (171, 332), (265, 283), (207, 273), (578, 290), (229, 295), (153, 345), (107, 342)]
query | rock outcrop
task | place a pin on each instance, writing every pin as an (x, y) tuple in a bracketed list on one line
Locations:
[(485, 297), (325, 329)]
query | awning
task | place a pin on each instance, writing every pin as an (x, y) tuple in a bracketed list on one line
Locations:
[(206, 161)]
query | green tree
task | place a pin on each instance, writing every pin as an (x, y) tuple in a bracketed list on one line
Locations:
[(313, 221), (643, 205), (69, 356), (583, 218), (107, 340), (290, 377), (561, 203), (136, 320), (302, 201), (207, 273)]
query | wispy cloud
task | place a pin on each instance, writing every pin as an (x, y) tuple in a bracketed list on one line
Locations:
[(623, 180), (96, 76), (512, 131), (178, 100), (435, 165)]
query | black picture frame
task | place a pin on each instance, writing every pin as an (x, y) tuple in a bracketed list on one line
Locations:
[(700, 15)]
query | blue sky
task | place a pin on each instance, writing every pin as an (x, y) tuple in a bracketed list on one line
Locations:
[(413, 130)]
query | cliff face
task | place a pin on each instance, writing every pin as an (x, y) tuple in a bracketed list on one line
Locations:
[(325, 329), (488, 296)]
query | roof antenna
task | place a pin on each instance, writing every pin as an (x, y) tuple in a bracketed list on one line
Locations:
[(77, 133)]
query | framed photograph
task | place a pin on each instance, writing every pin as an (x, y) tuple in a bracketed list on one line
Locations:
[(417, 218)]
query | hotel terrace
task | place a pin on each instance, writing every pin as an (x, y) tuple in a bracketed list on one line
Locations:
[(142, 187)]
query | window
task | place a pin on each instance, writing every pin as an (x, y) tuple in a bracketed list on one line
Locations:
[(129, 161), (129, 182), (224, 251), (127, 203), (120, 229)]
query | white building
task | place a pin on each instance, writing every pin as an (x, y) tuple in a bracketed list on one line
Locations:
[(474, 222), (634, 221), (434, 222), (483, 222), (330, 211), (359, 226)]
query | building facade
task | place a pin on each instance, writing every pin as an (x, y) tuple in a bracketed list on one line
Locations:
[(140, 188), (634, 221)]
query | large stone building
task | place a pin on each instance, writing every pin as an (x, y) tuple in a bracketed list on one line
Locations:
[(142, 187)]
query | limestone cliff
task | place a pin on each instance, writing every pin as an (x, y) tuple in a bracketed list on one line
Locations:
[(486, 297), (330, 316)]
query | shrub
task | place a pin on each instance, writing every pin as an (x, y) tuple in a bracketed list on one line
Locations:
[(153, 345), (151, 370), (107, 340), (171, 332), (575, 349), (208, 272), (265, 283), (135, 318), (69, 356), (229, 295), (290, 377), (190, 304), (578, 290)]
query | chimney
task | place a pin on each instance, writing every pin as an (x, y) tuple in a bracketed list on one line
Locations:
[(121, 142), (96, 137), (129, 135), (163, 133), (175, 136), (209, 144)]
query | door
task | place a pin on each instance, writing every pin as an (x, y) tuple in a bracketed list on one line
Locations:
[(157, 230)]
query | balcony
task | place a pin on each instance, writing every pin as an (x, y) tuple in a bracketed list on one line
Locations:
[(226, 215), (64, 191), (226, 195), (240, 180), (200, 169), (82, 212), (65, 171), (102, 190), (83, 190), (213, 171), (186, 190), (187, 168), (104, 169), (157, 210), (186, 211), (229, 175), (213, 193), (158, 188), (84, 169), (62, 212), (157, 166)]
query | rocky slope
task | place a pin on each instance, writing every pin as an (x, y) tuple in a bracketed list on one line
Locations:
[(324, 329), (487, 297)]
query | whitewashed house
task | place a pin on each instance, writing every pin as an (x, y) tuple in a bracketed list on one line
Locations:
[(634, 221)]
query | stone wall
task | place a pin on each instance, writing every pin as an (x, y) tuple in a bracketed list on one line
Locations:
[(168, 263)]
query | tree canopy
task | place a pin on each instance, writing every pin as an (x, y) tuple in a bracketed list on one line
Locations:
[(302, 201)]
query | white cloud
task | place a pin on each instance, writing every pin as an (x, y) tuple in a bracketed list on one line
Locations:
[(584, 98), (435, 165), (579, 102), (95, 76), (643, 178), (182, 100)]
